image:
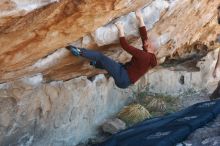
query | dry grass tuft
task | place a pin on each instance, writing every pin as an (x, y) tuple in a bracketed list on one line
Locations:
[(133, 114)]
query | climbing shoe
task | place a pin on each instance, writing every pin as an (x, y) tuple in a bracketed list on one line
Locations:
[(93, 63), (97, 64), (74, 50)]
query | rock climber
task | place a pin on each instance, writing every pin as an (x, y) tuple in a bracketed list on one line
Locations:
[(128, 73)]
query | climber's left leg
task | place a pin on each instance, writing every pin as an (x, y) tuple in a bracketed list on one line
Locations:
[(115, 69)]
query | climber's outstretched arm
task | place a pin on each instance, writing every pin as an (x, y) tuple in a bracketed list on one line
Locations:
[(124, 44), (142, 27), (139, 18), (120, 28)]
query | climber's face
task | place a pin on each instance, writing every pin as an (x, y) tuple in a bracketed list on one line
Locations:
[(219, 16), (148, 46)]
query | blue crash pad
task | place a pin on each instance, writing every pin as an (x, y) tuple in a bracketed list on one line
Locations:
[(167, 130)]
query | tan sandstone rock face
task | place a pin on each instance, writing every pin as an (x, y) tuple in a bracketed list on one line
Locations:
[(28, 35), (33, 34), (25, 39)]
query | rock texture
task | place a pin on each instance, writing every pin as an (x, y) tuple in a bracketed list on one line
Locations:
[(25, 39), (59, 113), (39, 110), (113, 126), (190, 76), (66, 113), (180, 28)]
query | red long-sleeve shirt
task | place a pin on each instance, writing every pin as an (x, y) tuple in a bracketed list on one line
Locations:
[(141, 60)]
